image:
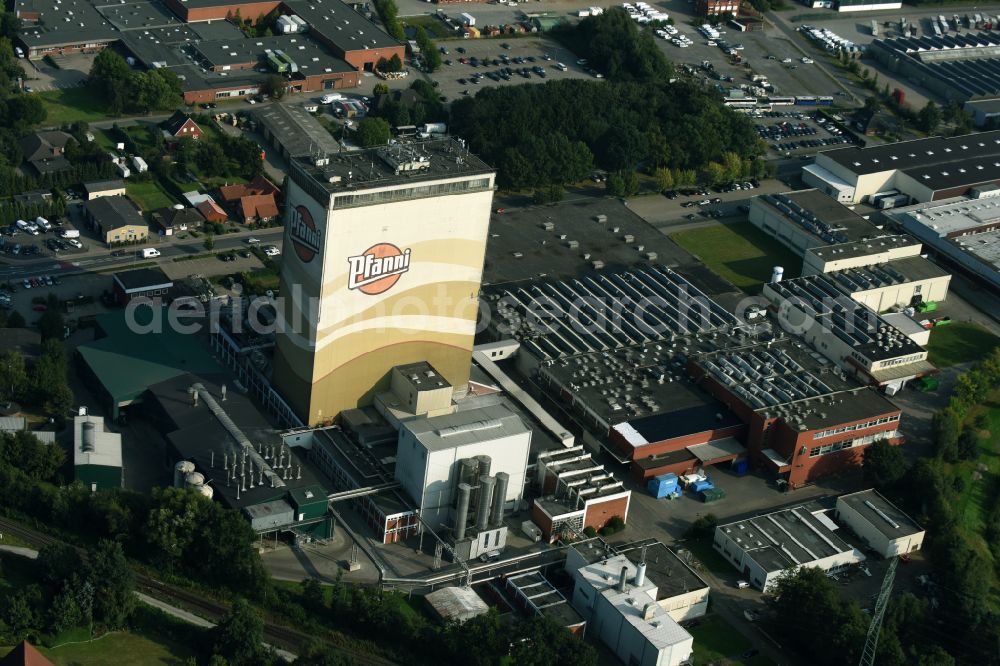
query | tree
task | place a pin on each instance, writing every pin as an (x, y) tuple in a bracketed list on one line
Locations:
[(13, 375), (816, 620), (929, 117), (50, 324), (110, 574), (16, 320), (395, 64), (380, 89), (239, 636), (373, 132), (274, 86), (615, 185), (545, 643), (884, 464), (664, 179), (209, 242)]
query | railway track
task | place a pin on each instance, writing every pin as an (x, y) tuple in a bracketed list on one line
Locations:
[(274, 634)]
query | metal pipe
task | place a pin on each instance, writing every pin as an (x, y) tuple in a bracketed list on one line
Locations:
[(499, 498), (486, 484), (462, 510)]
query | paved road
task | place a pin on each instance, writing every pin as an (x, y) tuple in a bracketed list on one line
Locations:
[(96, 259)]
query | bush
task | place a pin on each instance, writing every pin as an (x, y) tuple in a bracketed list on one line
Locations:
[(704, 526), (590, 532)]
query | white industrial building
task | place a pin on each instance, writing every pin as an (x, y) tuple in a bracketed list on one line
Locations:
[(879, 269), (928, 169), (436, 455), (97, 454), (885, 528), (966, 230), (765, 547), (850, 334), (621, 609)]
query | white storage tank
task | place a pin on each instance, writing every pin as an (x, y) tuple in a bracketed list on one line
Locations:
[(777, 274), (207, 491), (181, 470), (194, 480)]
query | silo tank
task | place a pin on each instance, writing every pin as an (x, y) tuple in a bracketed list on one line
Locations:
[(194, 479), (88, 436), (181, 470), (207, 491)]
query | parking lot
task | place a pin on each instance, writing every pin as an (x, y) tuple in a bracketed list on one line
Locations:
[(793, 132), (16, 243), (529, 59)]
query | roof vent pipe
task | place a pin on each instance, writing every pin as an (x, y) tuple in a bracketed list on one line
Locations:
[(623, 579)]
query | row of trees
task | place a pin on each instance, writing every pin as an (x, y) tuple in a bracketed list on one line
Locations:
[(398, 110), (817, 621), (69, 591), (389, 14), (939, 492), (558, 132), (128, 91), (616, 46), (45, 384), (428, 49)]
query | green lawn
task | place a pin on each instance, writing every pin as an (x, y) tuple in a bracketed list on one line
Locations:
[(215, 181), (960, 342), (740, 253), (70, 105), (716, 642), (149, 195), (976, 501), (433, 27), (118, 649)]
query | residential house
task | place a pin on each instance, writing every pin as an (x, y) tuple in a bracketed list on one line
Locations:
[(258, 208), (24, 654), (104, 188), (167, 221), (181, 125), (43, 151), (211, 211), (254, 202), (116, 219)]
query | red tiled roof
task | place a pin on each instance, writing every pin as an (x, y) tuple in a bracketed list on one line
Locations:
[(258, 206), (211, 211), (261, 185), (24, 654), (232, 192)]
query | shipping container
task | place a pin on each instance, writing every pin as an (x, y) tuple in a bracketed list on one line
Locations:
[(663, 485), (700, 486), (712, 495)]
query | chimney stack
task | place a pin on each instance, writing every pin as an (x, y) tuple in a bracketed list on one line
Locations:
[(486, 484), (623, 579), (462, 510)]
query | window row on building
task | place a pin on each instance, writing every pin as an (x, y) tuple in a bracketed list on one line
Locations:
[(858, 426), (833, 447)]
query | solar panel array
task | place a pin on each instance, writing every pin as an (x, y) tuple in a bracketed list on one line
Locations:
[(764, 377)]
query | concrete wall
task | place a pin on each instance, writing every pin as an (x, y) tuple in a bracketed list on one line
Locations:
[(821, 260), (687, 606), (880, 300)]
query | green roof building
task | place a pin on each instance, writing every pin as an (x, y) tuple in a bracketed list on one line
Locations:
[(122, 363)]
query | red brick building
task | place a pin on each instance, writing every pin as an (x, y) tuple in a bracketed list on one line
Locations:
[(181, 125), (803, 440), (577, 493), (717, 7)]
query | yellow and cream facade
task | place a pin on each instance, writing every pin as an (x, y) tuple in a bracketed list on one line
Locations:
[(383, 259)]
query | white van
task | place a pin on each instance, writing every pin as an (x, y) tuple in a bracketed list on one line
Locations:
[(69, 233), (150, 252), (331, 98), (43, 223)]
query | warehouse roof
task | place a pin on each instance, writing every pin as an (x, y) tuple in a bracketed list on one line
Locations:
[(114, 212), (829, 221), (141, 279), (126, 363), (885, 516), (917, 154), (864, 248), (67, 23), (472, 426), (107, 446), (296, 130), (879, 276), (790, 537), (853, 323), (104, 185), (456, 604), (343, 27), (672, 575)]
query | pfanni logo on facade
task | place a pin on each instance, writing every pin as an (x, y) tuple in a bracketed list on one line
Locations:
[(378, 268)]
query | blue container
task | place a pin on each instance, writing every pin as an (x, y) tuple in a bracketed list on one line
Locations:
[(740, 467), (663, 485), (699, 486)]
